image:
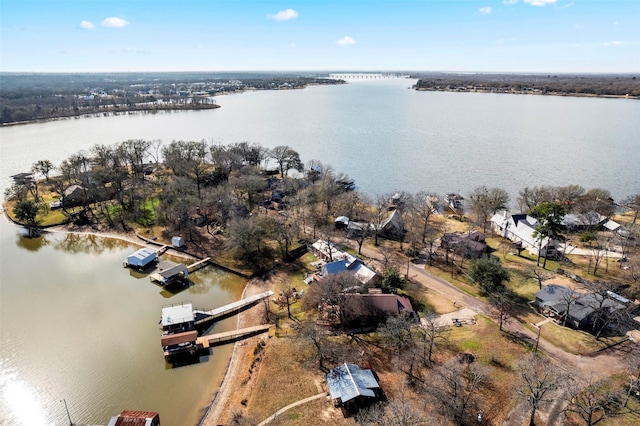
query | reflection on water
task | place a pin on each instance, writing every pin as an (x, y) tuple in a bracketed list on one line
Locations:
[(75, 324), (22, 402)]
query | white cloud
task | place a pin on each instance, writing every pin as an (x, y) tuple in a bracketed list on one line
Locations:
[(509, 1), (485, 10), (615, 43), (540, 2), (114, 22), (616, 23), (86, 25), (346, 41), (284, 15), (291, 45)]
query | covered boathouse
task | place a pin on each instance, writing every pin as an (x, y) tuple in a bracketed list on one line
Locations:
[(179, 332), (169, 272), (141, 258)]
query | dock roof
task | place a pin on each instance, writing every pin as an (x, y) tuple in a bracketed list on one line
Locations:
[(177, 314)]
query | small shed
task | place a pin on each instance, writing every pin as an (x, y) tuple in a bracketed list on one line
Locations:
[(141, 258), (177, 242)]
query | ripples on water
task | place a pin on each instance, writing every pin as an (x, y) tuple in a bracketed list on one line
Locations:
[(77, 325), (389, 138)]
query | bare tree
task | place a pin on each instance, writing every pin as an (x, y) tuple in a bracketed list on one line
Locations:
[(594, 401), (632, 202), (431, 333), (539, 380), (540, 275), (504, 305), (309, 331), (425, 206), (457, 386)]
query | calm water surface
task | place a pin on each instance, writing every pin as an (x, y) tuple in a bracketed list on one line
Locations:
[(74, 324), (389, 138)]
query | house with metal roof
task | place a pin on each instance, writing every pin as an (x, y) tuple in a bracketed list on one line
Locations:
[(342, 262), (142, 258), (169, 272), (519, 228), (351, 387)]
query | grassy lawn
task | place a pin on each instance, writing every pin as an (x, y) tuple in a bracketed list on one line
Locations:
[(498, 353), (573, 341)]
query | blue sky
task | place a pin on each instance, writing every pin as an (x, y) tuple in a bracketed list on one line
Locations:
[(418, 35)]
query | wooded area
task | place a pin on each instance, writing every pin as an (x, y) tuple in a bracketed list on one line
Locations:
[(28, 97), (556, 84)]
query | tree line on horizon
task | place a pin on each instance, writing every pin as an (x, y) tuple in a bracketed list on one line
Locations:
[(595, 85)]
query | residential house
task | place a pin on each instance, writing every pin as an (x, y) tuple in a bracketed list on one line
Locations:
[(392, 228), (351, 387), (578, 310), (519, 228), (351, 264), (471, 244), (74, 195)]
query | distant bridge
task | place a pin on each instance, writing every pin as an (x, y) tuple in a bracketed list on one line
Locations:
[(366, 76)]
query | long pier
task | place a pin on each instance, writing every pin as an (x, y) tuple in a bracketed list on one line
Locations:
[(227, 309), (197, 265), (205, 342)]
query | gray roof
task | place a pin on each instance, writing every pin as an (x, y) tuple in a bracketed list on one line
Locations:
[(582, 305), (348, 381)]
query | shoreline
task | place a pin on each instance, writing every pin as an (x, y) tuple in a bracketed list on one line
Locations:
[(214, 408), (522, 92)]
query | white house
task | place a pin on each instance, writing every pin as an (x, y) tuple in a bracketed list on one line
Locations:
[(519, 228)]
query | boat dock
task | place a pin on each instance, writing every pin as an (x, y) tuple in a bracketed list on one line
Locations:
[(199, 264), (203, 316), (205, 342)]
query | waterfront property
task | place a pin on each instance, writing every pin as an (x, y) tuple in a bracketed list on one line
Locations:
[(142, 258), (352, 387), (339, 261), (519, 228), (181, 322), (169, 272)]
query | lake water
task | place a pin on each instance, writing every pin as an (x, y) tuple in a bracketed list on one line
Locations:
[(389, 138), (74, 324)]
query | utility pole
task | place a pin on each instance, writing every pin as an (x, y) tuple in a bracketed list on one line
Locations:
[(67, 409), (538, 338)]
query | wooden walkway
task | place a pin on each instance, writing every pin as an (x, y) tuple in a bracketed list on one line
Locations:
[(204, 342), (199, 264), (231, 307)]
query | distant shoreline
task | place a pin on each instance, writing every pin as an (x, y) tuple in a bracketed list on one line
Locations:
[(528, 92), (88, 114)]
